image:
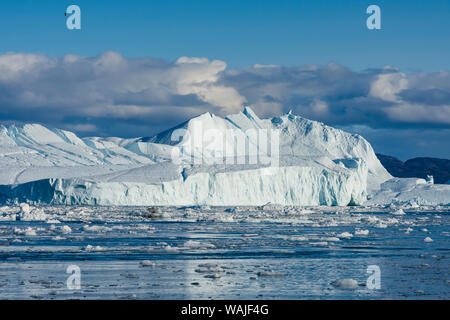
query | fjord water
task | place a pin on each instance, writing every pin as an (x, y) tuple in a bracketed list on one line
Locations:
[(225, 253)]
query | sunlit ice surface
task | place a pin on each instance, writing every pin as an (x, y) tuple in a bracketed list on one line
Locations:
[(268, 252)]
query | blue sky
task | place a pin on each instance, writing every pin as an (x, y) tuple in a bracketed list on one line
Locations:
[(414, 33), (326, 42)]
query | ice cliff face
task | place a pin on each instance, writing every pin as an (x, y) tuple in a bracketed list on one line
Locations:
[(285, 185), (316, 165)]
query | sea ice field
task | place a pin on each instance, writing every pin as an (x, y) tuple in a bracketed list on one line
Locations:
[(264, 252)]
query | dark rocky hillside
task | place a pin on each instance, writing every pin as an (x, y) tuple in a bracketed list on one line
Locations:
[(417, 168)]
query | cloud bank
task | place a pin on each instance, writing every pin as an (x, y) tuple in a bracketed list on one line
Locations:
[(113, 95)]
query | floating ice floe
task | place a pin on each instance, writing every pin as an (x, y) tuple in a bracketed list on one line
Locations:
[(52, 221), (361, 232), (96, 228), (193, 244), (170, 249), (147, 263), (211, 269), (345, 235), (398, 212), (66, 229), (29, 231), (345, 284), (90, 248)]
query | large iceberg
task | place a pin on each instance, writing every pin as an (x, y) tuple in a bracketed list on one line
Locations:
[(308, 163)]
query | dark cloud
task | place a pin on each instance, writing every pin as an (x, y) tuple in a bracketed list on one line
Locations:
[(432, 97), (88, 92), (336, 95), (406, 143)]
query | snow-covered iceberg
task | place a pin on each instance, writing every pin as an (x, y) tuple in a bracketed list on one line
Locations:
[(316, 165), (411, 191)]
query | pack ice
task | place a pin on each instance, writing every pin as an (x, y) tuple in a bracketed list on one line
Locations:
[(316, 165)]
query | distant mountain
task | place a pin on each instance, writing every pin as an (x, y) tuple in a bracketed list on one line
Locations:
[(417, 168)]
